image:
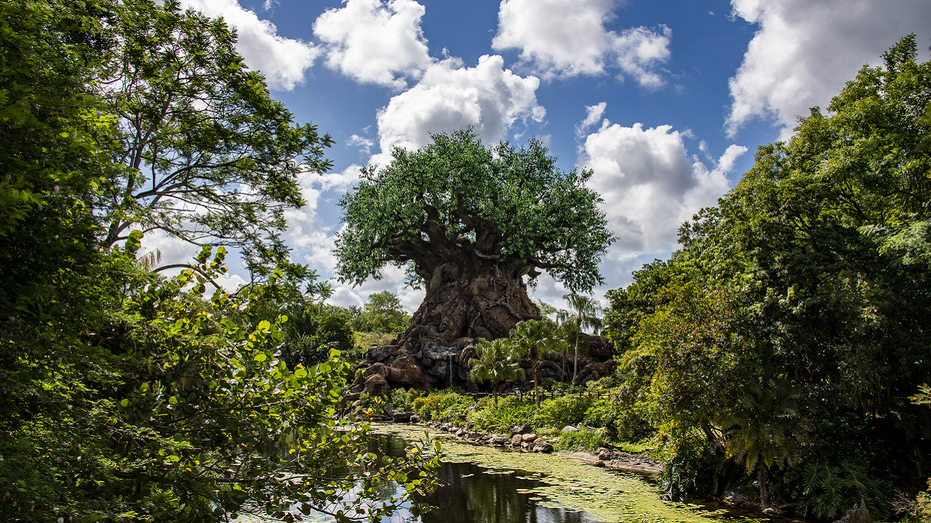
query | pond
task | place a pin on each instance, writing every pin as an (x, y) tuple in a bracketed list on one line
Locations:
[(488, 485), (474, 494)]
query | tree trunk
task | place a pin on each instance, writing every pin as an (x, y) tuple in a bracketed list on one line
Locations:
[(762, 478), (470, 296)]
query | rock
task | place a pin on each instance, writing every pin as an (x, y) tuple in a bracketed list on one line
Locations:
[(382, 353), (405, 373), (375, 384), (520, 429), (542, 446), (349, 398), (599, 463), (516, 440), (569, 428), (859, 514), (497, 440), (376, 369), (528, 437), (415, 418), (402, 417), (389, 409)]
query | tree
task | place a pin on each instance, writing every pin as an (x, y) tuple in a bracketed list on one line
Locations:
[(812, 271), (764, 430), (382, 313), (471, 222), (127, 395), (204, 153), (534, 339), (495, 362), (583, 312)]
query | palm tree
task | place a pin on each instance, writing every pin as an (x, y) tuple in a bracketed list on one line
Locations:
[(765, 430), (496, 362), (583, 312), (534, 339)]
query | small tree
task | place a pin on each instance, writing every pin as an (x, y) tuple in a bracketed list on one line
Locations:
[(534, 339), (496, 362), (583, 312), (765, 430)]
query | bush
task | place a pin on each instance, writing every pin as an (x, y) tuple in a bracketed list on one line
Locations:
[(828, 490), (509, 413), (562, 411), (403, 400), (585, 440), (448, 406)]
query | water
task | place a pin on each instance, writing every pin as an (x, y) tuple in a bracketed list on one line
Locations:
[(472, 494)]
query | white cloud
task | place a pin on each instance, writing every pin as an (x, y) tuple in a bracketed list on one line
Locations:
[(451, 97), (282, 60), (374, 41), (361, 142), (341, 181), (651, 186), (640, 50), (804, 52), (593, 114), (568, 37)]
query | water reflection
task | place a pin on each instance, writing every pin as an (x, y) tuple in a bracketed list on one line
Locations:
[(472, 494)]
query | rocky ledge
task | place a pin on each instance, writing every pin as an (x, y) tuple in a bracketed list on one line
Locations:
[(522, 439)]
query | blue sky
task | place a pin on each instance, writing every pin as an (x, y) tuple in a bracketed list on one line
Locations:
[(665, 101)]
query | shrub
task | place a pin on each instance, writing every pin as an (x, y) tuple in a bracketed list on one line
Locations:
[(509, 413), (403, 400), (585, 439), (448, 406), (562, 411)]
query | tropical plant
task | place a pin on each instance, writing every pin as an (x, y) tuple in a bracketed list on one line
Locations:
[(765, 430), (583, 313), (495, 362), (534, 339)]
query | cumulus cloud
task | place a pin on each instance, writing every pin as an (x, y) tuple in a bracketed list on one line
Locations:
[(450, 97), (311, 240), (282, 60), (568, 37), (651, 185), (804, 52), (375, 41)]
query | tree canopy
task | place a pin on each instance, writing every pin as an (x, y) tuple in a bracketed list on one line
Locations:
[(127, 395), (457, 197), (200, 149), (797, 311)]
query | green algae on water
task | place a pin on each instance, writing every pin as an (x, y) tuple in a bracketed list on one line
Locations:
[(570, 484)]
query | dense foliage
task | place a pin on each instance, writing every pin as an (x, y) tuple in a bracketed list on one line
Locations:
[(127, 395), (782, 342), (456, 196)]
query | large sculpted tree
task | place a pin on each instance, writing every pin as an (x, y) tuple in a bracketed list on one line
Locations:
[(471, 222)]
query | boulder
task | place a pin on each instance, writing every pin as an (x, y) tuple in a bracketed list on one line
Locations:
[(405, 373), (516, 440), (542, 446), (375, 384), (859, 514), (402, 417), (520, 429), (377, 368), (528, 437), (381, 353), (569, 428)]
